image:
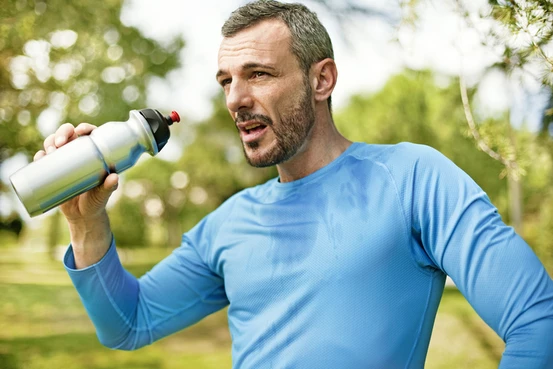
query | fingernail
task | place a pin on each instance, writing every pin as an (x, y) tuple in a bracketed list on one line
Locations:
[(60, 140), (50, 149)]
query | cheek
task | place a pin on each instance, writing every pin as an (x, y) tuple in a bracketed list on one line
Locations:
[(277, 103)]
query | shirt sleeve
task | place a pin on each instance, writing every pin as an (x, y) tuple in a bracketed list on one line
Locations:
[(129, 313), (501, 277)]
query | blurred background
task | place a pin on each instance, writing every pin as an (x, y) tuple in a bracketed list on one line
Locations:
[(472, 78)]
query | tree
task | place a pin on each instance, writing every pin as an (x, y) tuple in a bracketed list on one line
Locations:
[(523, 31), (520, 32), (71, 62)]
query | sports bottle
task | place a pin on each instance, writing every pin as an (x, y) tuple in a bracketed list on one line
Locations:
[(85, 162)]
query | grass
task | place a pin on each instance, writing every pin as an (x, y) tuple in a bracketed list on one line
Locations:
[(44, 326)]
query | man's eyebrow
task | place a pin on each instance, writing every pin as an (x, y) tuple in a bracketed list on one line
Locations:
[(257, 65), (219, 74), (251, 65)]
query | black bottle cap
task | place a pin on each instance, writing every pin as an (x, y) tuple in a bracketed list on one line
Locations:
[(160, 125)]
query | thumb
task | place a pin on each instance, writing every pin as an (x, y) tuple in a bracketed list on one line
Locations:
[(100, 195), (110, 183)]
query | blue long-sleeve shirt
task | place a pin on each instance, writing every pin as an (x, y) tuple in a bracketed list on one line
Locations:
[(343, 268)]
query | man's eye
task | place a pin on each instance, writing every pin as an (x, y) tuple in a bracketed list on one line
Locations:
[(225, 82), (259, 74)]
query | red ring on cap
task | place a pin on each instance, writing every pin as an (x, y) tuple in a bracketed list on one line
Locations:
[(174, 116)]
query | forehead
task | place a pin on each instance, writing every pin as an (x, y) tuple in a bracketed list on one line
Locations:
[(267, 42)]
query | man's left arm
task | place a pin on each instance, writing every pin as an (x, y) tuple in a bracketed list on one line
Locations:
[(494, 268)]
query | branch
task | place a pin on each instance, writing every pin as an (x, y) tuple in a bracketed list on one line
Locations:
[(492, 40), (511, 165), (525, 28), (538, 48)]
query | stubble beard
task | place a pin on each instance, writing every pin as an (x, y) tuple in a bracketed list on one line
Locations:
[(290, 134)]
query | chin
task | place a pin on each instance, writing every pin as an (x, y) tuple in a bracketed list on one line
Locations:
[(261, 158), (259, 161)]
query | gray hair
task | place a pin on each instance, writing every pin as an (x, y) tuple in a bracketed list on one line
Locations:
[(310, 41)]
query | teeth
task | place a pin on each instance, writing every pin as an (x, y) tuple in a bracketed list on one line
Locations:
[(251, 126)]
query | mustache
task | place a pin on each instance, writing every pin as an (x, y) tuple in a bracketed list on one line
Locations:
[(246, 116)]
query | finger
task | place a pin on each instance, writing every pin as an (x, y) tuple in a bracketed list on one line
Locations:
[(39, 154), (49, 142), (111, 182), (64, 134), (85, 129), (101, 194)]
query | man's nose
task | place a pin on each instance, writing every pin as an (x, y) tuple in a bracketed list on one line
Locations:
[(239, 96)]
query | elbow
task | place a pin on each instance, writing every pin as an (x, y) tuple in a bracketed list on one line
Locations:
[(130, 341), (533, 341), (536, 329), (123, 346)]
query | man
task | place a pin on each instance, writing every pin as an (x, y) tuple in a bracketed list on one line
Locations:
[(340, 262)]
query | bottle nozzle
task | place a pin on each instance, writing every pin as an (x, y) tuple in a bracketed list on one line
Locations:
[(159, 124), (173, 117)]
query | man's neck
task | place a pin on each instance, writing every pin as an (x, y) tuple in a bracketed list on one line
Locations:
[(322, 146)]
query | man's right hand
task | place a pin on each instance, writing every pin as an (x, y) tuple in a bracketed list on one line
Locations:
[(86, 213)]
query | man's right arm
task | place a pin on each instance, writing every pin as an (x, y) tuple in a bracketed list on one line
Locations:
[(129, 313)]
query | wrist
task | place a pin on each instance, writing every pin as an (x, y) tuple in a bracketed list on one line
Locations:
[(80, 228), (84, 221), (90, 239)]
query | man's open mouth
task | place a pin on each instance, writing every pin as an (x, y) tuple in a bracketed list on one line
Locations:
[(251, 131), (253, 127)]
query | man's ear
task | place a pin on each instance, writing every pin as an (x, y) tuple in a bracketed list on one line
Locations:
[(324, 76)]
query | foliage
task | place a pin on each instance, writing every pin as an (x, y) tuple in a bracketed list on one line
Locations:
[(530, 33), (71, 61), (527, 46), (522, 33)]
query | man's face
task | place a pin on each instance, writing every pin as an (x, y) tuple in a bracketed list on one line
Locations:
[(267, 93)]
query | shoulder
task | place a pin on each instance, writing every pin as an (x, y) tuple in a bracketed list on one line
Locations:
[(414, 167), (408, 152), (402, 157)]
